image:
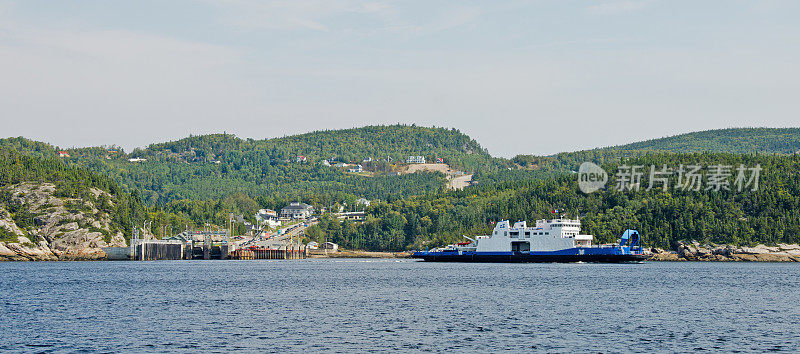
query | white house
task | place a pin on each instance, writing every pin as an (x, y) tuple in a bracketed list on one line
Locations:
[(356, 169), (268, 217), (415, 159), (330, 246), (297, 210)]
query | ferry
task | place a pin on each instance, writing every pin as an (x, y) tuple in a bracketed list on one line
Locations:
[(555, 240)]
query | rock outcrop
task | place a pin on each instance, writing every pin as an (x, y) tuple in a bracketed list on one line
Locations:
[(55, 228), (694, 251)]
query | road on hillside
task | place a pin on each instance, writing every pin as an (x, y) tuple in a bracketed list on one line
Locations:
[(296, 230)]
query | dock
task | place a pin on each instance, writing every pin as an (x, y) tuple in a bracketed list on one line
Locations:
[(267, 253), (204, 245)]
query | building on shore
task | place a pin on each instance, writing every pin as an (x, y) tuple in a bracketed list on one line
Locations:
[(330, 247), (323, 249)]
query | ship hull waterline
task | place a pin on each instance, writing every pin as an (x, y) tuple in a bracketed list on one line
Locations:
[(534, 258)]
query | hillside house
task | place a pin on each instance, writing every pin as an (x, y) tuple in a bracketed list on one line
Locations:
[(297, 210), (415, 159), (352, 215), (267, 214), (63, 154), (267, 217), (356, 169)]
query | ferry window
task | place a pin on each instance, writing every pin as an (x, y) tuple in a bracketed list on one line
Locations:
[(527, 233)]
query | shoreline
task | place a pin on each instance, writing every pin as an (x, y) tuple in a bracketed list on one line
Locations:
[(362, 254), (694, 251), (687, 252)]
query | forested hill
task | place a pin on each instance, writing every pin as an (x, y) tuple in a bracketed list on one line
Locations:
[(733, 140), (292, 167), (219, 165), (770, 214), (348, 145), (27, 180)]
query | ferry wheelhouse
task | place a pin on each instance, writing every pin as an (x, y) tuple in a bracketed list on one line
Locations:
[(555, 240)]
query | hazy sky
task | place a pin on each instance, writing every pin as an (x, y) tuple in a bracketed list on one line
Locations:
[(518, 76)]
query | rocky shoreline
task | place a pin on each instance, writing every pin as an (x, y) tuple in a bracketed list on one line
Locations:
[(42, 252), (63, 228), (694, 251)]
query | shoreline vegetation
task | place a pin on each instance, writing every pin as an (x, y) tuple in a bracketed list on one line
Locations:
[(68, 204), (687, 251)]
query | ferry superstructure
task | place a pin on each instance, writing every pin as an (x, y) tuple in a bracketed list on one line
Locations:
[(555, 240)]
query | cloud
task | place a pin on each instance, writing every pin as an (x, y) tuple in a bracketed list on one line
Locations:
[(365, 17), (289, 67), (291, 15), (618, 7), (451, 18), (105, 86)]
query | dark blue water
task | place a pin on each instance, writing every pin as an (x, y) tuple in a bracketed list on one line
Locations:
[(358, 305)]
